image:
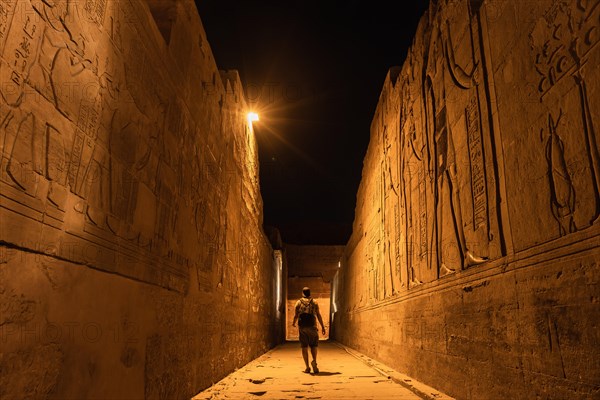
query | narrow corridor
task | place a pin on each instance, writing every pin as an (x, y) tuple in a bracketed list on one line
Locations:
[(156, 233), (343, 374)]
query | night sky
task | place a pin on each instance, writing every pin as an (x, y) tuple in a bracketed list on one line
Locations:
[(313, 70)]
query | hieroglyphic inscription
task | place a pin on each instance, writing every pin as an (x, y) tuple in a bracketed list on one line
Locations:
[(22, 52), (6, 13), (90, 165), (422, 214), (95, 10), (568, 37), (76, 153), (477, 164), (397, 230), (19, 53), (83, 144), (88, 121)]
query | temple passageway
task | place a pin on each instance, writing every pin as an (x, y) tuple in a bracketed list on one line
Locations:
[(343, 374), (137, 260)]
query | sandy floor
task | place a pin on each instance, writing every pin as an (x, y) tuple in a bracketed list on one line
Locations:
[(342, 375)]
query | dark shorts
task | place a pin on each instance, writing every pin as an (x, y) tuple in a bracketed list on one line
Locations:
[(309, 336)]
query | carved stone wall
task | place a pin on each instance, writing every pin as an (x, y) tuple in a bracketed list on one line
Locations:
[(132, 258), (474, 262)]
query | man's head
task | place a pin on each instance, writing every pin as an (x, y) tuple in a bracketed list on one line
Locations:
[(306, 291)]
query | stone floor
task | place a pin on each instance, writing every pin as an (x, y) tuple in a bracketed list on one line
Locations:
[(343, 374)]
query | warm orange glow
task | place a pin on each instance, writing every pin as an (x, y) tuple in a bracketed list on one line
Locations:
[(252, 117)]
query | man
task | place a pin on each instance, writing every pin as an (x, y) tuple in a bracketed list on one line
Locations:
[(306, 310)]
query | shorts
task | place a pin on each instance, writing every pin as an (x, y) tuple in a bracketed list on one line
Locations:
[(309, 336)]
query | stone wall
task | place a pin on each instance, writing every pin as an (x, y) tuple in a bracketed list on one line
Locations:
[(474, 260), (132, 258), (313, 260)]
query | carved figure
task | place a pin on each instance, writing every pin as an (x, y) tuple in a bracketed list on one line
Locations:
[(561, 186), (563, 42), (447, 189), (447, 202)]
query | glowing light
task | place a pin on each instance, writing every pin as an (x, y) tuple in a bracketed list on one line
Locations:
[(252, 117), (278, 277)]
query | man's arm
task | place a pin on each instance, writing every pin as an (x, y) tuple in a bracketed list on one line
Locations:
[(320, 318), (295, 316)]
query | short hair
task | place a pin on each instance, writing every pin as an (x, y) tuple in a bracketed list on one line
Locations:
[(306, 291)]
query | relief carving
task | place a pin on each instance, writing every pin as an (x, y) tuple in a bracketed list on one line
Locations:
[(95, 10), (7, 11), (563, 41), (22, 165), (397, 250), (451, 234), (74, 132), (109, 162), (448, 191), (478, 178), (34, 160), (19, 54), (449, 210), (561, 185), (389, 222), (461, 78), (415, 181), (56, 167)]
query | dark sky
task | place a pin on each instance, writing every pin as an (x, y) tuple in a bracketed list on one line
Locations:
[(313, 70)]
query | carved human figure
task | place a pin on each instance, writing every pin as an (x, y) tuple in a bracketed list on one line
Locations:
[(448, 203), (412, 157), (414, 175), (449, 228), (391, 274), (39, 77)]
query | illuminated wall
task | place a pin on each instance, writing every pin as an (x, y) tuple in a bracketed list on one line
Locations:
[(132, 258), (474, 260)]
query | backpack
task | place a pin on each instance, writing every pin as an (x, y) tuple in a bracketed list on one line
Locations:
[(306, 310)]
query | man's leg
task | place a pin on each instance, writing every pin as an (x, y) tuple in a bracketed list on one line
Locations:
[(313, 351), (305, 356)]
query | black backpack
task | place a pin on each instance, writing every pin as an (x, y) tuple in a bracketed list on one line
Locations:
[(306, 312)]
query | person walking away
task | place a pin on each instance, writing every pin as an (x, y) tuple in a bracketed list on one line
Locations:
[(306, 311)]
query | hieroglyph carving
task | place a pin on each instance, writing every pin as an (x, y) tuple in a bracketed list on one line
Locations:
[(563, 41), (561, 185), (478, 183), (390, 219), (449, 76), (415, 178), (79, 153)]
